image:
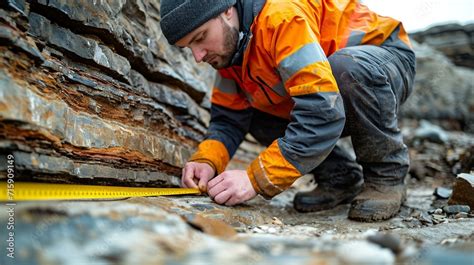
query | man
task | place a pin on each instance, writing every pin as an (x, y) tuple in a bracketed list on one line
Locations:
[(298, 75)]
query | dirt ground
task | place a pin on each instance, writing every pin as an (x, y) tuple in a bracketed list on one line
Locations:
[(195, 230)]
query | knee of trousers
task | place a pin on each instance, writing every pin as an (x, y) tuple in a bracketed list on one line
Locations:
[(349, 61), (350, 71), (354, 79)]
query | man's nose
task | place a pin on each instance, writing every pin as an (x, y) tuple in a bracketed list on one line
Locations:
[(199, 54)]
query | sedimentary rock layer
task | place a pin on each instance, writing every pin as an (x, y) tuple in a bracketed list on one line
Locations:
[(92, 92)]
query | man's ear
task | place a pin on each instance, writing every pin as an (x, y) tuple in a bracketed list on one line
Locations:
[(229, 13)]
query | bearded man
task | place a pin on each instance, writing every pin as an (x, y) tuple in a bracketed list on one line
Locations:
[(298, 75)]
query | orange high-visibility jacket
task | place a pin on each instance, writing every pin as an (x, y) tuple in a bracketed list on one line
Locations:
[(285, 72)]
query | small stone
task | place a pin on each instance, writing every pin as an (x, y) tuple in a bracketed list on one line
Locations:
[(421, 216), (360, 252), (438, 211), (438, 218), (416, 214), (425, 218), (240, 229), (257, 230), (277, 221), (389, 241), (449, 241), (413, 222), (461, 215), (272, 230), (454, 209), (442, 192), (209, 226), (431, 132)]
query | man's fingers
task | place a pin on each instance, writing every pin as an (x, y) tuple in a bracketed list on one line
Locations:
[(203, 184), (183, 173), (188, 178), (213, 191), (233, 200), (215, 181), (222, 197)]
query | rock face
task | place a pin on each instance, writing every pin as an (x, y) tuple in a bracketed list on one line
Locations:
[(90, 91), (454, 40), (442, 90)]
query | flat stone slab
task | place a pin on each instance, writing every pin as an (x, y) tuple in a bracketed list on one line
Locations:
[(195, 230)]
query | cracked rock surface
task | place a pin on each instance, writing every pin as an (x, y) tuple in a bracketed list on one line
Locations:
[(91, 93)]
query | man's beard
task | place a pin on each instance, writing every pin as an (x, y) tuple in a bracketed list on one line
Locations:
[(231, 37)]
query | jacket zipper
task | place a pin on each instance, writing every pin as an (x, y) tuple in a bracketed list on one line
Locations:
[(260, 86), (263, 82)]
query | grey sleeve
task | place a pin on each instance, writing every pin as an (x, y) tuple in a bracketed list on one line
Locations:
[(317, 121)]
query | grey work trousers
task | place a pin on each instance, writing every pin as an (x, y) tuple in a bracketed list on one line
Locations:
[(373, 81)]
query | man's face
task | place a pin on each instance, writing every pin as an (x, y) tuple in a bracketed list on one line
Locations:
[(215, 42)]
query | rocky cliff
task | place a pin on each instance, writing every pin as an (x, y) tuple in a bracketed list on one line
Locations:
[(443, 92), (454, 40), (444, 85), (90, 90)]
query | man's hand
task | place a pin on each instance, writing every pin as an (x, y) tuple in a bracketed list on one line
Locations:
[(231, 187), (197, 175)]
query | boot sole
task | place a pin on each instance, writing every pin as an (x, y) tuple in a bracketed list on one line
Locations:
[(318, 208), (368, 215)]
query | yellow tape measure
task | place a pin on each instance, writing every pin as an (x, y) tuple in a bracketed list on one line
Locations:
[(28, 191)]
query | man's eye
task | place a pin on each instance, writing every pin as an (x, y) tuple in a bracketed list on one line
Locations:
[(201, 38)]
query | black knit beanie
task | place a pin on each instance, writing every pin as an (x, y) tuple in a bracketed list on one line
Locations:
[(180, 17)]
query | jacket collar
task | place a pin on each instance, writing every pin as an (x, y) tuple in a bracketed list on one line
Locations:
[(247, 11)]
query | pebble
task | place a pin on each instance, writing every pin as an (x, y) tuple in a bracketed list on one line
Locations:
[(277, 221), (389, 241), (240, 229), (272, 230), (431, 132), (442, 192), (438, 211), (461, 215), (454, 209), (438, 218), (425, 218), (421, 216), (356, 252), (412, 222)]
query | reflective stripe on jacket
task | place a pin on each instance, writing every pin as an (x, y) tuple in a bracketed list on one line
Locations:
[(286, 73)]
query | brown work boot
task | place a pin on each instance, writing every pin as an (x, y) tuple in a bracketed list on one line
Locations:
[(339, 180), (377, 202), (324, 198)]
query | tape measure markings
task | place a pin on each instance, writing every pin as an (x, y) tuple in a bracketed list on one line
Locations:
[(29, 191)]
